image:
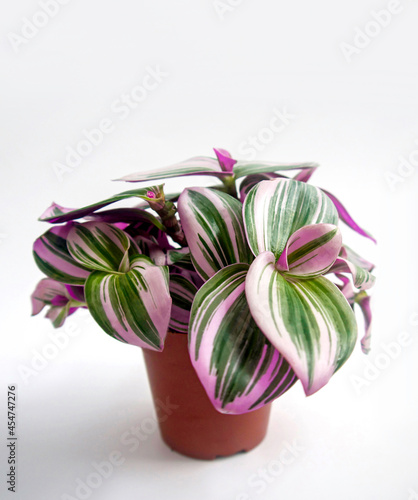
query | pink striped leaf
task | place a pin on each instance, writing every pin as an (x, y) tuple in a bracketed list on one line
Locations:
[(99, 246), (251, 180), (213, 225), (198, 165), (126, 215), (362, 279), (53, 258), (238, 367), (310, 251), (182, 292), (57, 214), (363, 300), (243, 168), (275, 209), (355, 258), (133, 307), (62, 299), (308, 321)]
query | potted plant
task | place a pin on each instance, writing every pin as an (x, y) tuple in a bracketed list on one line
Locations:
[(234, 292)]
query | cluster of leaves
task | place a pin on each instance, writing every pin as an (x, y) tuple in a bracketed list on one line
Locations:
[(241, 271)]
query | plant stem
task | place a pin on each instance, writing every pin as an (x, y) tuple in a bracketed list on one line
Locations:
[(229, 183), (168, 217)]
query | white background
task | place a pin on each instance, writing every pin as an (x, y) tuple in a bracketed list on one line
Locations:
[(227, 70)]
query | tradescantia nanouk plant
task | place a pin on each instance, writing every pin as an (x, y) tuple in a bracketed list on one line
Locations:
[(252, 269)]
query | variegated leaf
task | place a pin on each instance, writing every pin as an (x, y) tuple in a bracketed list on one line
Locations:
[(58, 314), (198, 165), (310, 251), (190, 274), (242, 168), (363, 300), (182, 292), (238, 367), (213, 225), (309, 321), (53, 258), (99, 246), (133, 307), (62, 299), (355, 258), (127, 215), (58, 214), (362, 279), (251, 180), (305, 174), (274, 210), (161, 256), (346, 217), (150, 232), (46, 290)]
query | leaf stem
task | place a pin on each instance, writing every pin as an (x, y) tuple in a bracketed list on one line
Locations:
[(229, 183)]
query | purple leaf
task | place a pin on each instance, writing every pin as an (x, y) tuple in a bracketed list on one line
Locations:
[(225, 160), (346, 217)]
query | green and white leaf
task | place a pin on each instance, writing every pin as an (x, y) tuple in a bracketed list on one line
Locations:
[(238, 367), (308, 321), (53, 258), (213, 225), (133, 307), (242, 168), (99, 246), (182, 293), (274, 210)]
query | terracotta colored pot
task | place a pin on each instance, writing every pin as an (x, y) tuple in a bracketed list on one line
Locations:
[(189, 423)]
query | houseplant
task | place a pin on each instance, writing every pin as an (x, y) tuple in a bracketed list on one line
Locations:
[(235, 272)]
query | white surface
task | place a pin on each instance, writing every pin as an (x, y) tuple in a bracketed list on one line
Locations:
[(224, 80)]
